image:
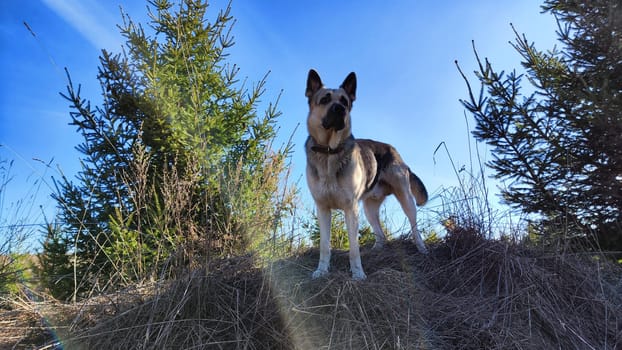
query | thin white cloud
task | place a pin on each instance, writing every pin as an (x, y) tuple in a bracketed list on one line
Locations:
[(90, 19)]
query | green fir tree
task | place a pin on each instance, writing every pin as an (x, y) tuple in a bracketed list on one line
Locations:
[(555, 130), (178, 164)]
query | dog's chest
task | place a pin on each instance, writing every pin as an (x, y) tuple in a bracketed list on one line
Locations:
[(335, 180)]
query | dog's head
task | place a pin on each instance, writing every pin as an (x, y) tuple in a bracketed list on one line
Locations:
[(329, 109)]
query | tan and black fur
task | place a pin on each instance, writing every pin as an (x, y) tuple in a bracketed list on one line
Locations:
[(342, 170)]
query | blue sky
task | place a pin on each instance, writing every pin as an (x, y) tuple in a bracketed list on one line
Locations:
[(402, 51)]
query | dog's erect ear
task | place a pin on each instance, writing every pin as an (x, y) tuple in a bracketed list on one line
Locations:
[(349, 85), (314, 83)]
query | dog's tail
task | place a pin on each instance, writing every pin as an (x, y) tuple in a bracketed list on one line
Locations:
[(418, 189)]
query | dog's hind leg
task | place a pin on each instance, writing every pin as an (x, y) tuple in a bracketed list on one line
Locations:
[(323, 215), (408, 205), (372, 212), (352, 224)]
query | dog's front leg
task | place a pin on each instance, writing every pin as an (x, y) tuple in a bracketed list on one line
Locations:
[(352, 224), (323, 215)]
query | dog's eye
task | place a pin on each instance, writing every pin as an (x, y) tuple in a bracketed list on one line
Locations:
[(344, 101), (325, 100)]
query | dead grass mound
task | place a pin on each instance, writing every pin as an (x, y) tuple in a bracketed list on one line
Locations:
[(469, 293), (21, 327)]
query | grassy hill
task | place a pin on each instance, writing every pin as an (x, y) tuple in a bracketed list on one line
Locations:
[(469, 293)]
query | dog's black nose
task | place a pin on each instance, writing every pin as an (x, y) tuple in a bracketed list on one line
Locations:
[(338, 109), (335, 117)]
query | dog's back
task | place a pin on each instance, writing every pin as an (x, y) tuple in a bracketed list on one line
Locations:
[(379, 156)]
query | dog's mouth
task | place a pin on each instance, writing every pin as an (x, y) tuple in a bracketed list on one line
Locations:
[(333, 124), (335, 118)]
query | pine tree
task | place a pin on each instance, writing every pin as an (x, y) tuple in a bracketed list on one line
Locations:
[(55, 267), (555, 131), (338, 232), (176, 160)]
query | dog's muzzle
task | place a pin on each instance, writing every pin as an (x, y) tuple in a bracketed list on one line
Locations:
[(335, 117)]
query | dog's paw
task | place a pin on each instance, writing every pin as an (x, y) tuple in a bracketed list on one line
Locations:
[(416, 236), (319, 273), (357, 272), (359, 276)]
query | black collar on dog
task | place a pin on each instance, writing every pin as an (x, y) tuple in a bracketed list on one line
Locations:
[(317, 148)]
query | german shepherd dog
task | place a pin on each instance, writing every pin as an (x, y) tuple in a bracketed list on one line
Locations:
[(342, 170)]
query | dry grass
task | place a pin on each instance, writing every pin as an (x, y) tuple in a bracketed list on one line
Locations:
[(469, 293), (22, 328)]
